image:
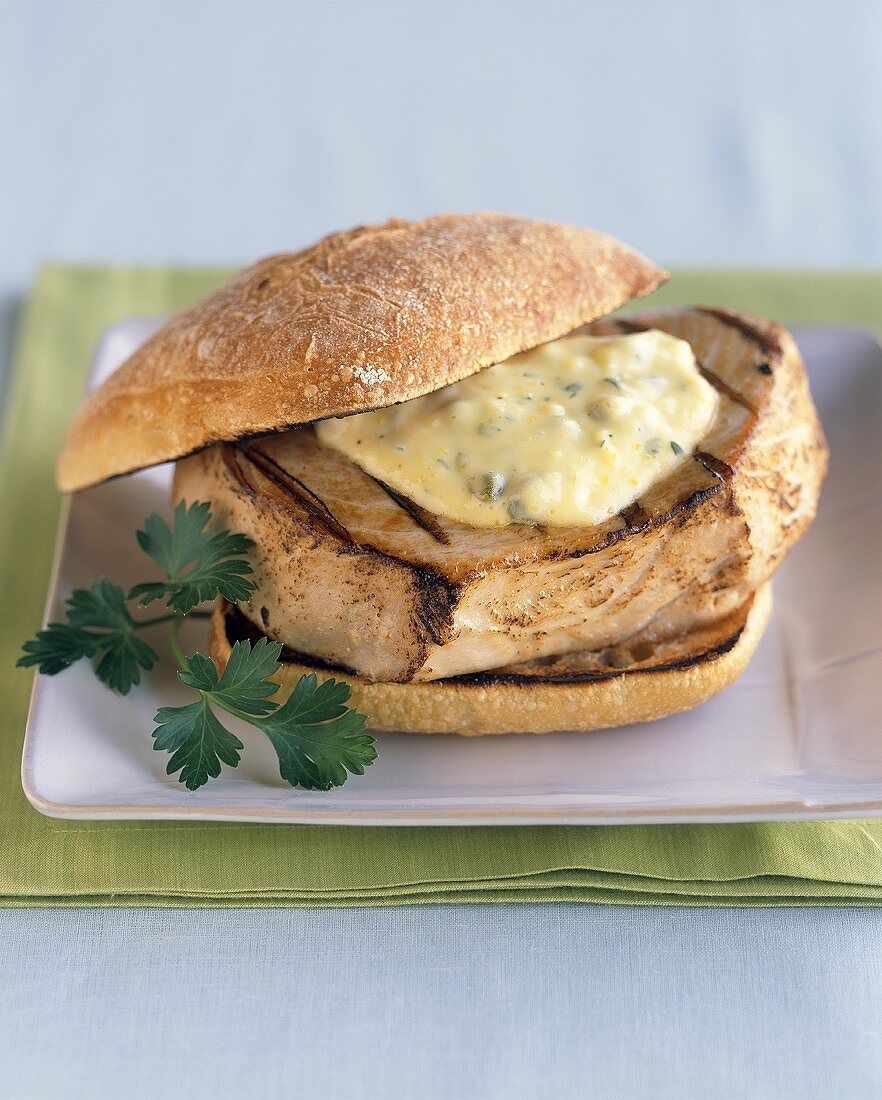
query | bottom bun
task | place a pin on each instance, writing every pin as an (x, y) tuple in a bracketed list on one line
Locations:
[(636, 681)]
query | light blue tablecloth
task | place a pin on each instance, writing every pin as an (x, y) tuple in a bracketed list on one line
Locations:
[(705, 133), (443, 1003)]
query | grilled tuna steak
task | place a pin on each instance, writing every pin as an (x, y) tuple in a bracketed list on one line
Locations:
[(632, 682), (353, 574)]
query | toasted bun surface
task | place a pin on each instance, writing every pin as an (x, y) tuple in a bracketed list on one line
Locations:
[(363, 319), (635, 682)]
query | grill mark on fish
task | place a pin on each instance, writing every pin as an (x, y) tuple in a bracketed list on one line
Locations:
[(294, 487), (420, 516), (635, 517), (721, 470), (609, 539), (682, 507), (723, 387), (234, 466), (437, 598), (766, 343), (630, 326)]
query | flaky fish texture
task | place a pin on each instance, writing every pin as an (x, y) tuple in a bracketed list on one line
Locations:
[(351, 573)]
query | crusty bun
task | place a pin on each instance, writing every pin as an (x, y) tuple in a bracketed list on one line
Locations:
[(364, 318), (363, 579), (632, 682)]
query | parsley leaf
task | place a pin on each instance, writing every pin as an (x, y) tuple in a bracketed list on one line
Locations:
[(98, 626), (214, 559), (120, 666), (56, 648), (102, 605), (676, 448), (173, 548), (316, 737), (197, 741), (244, 686), (192, 733), (317, 740)]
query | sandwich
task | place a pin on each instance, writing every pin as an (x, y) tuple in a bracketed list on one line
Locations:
[(475, 496)]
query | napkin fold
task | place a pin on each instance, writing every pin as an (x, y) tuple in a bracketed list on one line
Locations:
[(52, 862)]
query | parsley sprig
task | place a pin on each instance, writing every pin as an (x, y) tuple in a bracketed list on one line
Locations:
[(100, 627), (318, 739), (197, 564)]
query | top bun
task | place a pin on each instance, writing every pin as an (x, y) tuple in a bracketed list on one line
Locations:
[(364, 318)]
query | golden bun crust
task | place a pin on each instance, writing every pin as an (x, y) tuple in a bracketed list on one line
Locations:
[(637, 682), (365, 318)]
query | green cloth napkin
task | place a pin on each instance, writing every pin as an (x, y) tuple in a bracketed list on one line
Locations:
[(47, 862)]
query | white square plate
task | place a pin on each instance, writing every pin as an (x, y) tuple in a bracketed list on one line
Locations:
[(798, 736)]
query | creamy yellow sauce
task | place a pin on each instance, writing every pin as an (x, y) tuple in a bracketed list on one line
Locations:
[(568, 433)]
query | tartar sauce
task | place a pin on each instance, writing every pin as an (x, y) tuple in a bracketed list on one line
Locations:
[(568, 433)]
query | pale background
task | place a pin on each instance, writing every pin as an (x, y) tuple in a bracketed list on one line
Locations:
[(702, 132)]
